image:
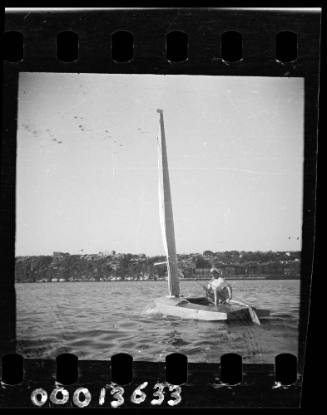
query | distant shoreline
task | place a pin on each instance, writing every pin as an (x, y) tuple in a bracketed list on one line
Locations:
[(181, 280), (62, 267)]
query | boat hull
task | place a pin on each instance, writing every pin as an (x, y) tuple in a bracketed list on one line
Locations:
[(199, 308)]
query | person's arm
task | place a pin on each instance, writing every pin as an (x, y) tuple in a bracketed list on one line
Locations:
[(230, 293), (215, 297)]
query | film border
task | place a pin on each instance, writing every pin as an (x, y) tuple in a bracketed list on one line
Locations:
[(203, 28)]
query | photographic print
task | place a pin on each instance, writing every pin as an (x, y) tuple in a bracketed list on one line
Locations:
[(158, 214)]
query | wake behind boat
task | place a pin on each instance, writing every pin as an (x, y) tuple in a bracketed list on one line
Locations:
[(197, 308)]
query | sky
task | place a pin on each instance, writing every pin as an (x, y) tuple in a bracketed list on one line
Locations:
[(87, 162)]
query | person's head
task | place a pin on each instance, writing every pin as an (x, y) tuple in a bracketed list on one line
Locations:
[(215, 272)]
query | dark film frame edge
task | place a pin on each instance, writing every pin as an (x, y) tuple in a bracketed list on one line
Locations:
[(253, 65)]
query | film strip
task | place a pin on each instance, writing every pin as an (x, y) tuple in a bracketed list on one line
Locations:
[(67, 382), (234, 96)]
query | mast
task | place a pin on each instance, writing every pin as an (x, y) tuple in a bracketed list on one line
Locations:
[(166, 212)]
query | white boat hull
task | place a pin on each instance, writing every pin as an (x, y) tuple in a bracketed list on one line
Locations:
[(198, 308)]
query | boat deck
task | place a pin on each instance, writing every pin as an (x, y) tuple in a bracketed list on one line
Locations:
[(202, 303), (200, 308)]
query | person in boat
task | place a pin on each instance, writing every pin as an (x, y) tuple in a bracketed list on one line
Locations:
[(218, 288)]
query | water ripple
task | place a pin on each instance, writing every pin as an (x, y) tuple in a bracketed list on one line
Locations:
[(97, 320)]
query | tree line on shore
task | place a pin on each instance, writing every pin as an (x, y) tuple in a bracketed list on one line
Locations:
[(101, 267)]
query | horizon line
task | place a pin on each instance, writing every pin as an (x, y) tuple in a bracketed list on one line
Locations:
[(153, 255)]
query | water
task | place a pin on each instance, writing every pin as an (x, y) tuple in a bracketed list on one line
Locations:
[(95, 320)]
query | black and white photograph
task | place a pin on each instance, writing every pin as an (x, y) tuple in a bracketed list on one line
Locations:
[(158, 214)]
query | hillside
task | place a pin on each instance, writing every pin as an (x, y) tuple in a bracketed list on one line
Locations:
[(102, 267)]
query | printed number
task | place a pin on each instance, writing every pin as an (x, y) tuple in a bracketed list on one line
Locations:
[(102, 396), (59, 400), (176, 393), (87, 397), (138, 396), (117, 392), (159, 394), (39, 397)]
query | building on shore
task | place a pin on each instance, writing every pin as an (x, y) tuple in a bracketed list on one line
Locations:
[(60, 255)]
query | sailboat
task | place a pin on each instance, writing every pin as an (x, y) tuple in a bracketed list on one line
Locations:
[(175, 304)]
